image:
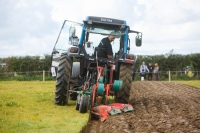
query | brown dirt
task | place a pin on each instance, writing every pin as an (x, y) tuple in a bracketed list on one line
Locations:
[(158, 107)]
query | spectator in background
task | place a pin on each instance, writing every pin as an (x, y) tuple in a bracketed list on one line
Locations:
[(156, 68), (134, 72), (143, 70), (150, 67)]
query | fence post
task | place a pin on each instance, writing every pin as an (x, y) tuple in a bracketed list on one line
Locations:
[(15, 74), (169, 75), (43, 75)]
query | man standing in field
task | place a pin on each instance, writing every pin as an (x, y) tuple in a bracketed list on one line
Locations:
[(134, 72), (150, 67)]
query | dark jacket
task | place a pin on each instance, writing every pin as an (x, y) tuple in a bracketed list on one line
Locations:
[(150, 69), (104, 49)]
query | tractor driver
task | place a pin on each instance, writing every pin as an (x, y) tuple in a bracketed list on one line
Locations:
[(105, 48)]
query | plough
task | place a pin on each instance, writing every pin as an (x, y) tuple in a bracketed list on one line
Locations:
[(100, 92)]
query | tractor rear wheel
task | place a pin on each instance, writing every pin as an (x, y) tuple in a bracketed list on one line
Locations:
[(83, 107), (62, 80), (125, 74)]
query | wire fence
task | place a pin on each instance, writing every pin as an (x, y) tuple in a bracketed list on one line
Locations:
[(171, 75), (29, 75), (46, 75)]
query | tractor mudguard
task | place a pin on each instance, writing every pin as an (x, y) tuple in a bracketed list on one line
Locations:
[(75, 69)]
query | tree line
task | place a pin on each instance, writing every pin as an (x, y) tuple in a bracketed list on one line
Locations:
[(26, 63), (166, 62), (172, 62)]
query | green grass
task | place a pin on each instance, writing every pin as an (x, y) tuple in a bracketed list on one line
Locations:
[(194, 83), (28, 106)]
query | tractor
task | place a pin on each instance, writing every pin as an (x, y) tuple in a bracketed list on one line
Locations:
[(96, 83)]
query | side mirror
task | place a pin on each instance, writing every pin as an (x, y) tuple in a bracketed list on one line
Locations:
[(73, 39), (138, 40), (72, 32)]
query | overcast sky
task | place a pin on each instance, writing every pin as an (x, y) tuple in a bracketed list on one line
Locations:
[(31, 27)]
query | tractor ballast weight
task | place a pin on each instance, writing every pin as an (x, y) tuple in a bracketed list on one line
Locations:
[(89, 79)]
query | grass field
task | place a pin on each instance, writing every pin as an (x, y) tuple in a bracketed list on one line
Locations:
[(28, 107), (194, 83)]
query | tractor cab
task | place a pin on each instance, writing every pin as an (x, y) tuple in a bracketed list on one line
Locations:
[(81, 39)]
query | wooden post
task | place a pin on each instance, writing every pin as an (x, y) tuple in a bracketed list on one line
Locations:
[(169, 75), (15, 74), (43, 75)]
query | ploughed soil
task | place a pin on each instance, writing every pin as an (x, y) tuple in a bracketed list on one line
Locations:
[(158, 107)]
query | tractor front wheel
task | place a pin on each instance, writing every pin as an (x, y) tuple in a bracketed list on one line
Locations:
[(83, 107)]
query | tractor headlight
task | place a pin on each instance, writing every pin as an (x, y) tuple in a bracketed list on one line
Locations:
[(74, 50), (130, 57)]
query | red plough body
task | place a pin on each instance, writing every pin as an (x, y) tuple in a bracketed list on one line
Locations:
[(103, 111)]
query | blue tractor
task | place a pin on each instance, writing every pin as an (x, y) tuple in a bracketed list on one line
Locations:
[(81, 75)]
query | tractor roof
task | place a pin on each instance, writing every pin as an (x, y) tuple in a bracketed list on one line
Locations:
[(107, 21), (103, 20)]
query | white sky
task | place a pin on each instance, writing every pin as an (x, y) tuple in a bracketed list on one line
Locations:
[(31, 27)]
